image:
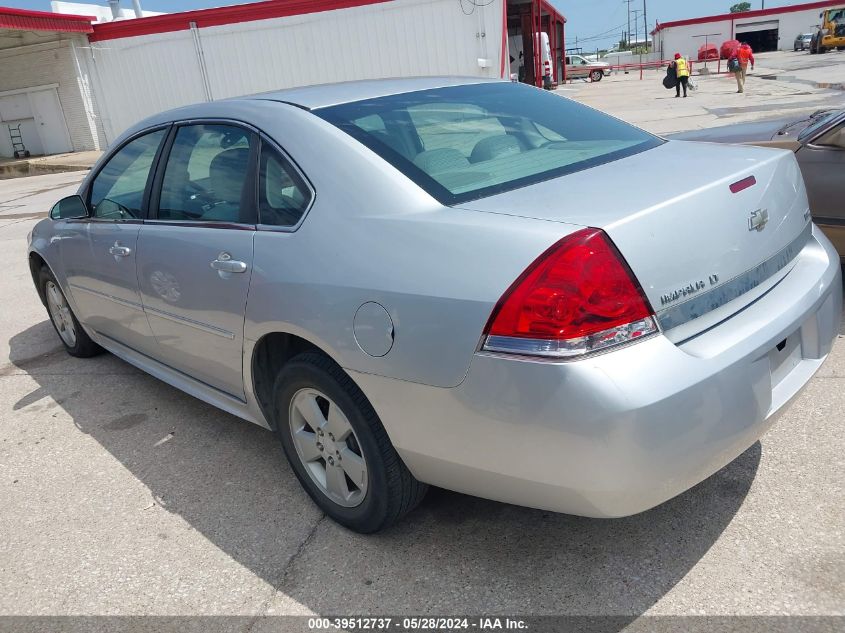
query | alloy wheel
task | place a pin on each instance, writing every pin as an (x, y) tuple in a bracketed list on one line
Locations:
[(60, 314), (328, 447)]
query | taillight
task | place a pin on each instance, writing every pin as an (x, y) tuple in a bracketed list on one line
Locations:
[(577, 297)]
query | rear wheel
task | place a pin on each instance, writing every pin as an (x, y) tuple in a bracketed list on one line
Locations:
[(338, 448), (76, 341), (596, 75)]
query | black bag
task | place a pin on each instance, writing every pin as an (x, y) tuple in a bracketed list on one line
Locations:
[(671, 78)]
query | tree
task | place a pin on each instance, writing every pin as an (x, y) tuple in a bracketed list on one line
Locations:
[(739, 7)]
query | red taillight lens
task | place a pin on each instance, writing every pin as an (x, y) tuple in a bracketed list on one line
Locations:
[(578, 297)]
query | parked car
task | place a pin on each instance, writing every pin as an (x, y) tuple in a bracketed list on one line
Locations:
[(579, 67), (428, 281), (818, 141), (802, 42)]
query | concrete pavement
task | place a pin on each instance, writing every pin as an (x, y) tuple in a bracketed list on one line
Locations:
[(122, 495), (781, 84), (52, 164)]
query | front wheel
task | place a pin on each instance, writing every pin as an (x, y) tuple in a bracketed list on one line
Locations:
[(596, 75), (75, 339), (338, 448)]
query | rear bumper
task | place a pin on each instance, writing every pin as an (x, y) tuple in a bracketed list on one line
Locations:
[(619, 433)]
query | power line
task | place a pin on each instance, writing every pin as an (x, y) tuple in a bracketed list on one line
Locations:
[(602, 35)]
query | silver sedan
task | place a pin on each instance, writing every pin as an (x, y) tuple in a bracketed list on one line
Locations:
[(472, 284)]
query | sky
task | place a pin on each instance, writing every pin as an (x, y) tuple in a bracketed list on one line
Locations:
[(596, 23)]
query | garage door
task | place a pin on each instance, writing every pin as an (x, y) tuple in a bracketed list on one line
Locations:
[(757, 26), (39, 114), (50, 121), (762, 36)]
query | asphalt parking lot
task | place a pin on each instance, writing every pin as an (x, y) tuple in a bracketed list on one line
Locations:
[(123, 496)]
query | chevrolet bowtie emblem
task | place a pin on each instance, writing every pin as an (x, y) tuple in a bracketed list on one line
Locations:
[(758, 220)]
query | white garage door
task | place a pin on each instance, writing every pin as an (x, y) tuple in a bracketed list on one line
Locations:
[(39, 114), (748, 27), (50, 121)]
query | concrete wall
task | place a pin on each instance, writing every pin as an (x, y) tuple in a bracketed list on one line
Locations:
[(56, 63), (139, 76), (680, 38)]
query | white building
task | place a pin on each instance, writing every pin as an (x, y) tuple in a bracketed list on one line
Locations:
[(46, 102), (101, 12), (764, 30), (128, 69)]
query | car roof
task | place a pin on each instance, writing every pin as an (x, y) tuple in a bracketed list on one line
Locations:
[(324, 95)]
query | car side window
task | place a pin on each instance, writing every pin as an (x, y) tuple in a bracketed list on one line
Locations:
[(117, 191), (283, 196), (833, 138), (206, 175)]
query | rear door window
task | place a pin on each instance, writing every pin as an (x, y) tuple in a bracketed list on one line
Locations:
[(208, 176)]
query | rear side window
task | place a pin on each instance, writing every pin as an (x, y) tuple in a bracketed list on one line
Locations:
[(283, 196), (117, 191), (467, 142), (207, 175)]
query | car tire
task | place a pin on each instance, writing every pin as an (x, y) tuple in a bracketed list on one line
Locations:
[(380, 489), (596, 75), (73, 337)]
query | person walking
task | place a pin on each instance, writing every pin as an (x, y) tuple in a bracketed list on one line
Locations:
[(735, 67), (682, 73), (745, 55)]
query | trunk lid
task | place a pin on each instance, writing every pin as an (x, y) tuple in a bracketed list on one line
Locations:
[(700, 250)]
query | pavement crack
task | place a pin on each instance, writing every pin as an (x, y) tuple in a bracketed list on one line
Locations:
[(288, 566)]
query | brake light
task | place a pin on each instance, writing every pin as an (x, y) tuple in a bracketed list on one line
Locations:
[(577, 297)]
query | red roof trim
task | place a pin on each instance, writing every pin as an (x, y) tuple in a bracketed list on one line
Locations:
[(219, 16), (749, 14), (26, 20), (547, 6)]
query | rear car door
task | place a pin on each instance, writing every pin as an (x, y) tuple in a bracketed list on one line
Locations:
[(195, 252), (823, 167), (99, 252)]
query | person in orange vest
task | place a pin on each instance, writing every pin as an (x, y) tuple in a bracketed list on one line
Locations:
[(682, 73), (745, 55)]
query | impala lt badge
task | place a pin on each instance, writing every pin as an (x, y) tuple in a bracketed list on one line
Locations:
[(758, 220)]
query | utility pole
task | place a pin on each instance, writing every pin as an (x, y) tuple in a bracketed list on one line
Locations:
[(636, 13), (628, 36), (645, 26)]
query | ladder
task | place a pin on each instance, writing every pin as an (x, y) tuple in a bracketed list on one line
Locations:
[(18, 147)]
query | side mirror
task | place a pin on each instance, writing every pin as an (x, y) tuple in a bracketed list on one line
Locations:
[(68, 208)]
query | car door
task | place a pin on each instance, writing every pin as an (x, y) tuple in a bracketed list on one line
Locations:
[(823, 166), (195, 252), (99, 252), (578, 68)]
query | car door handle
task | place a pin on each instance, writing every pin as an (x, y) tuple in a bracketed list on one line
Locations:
[(225, 264), (120, 251)]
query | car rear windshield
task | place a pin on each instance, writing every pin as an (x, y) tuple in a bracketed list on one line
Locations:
[(818, 121), (467, 142)]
